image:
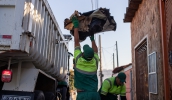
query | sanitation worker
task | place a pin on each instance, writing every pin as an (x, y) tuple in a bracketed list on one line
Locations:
[(112, 87), (86, 65)]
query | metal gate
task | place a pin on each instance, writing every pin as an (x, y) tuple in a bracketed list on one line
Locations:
[(141, 71), (168, 12)]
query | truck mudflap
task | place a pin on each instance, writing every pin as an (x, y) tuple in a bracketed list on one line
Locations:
[(16, 95)]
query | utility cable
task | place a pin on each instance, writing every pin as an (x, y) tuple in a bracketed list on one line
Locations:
[(110, 61), (108, 52)]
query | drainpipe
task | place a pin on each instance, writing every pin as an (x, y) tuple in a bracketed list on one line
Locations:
[(164, 49), (131, 89)]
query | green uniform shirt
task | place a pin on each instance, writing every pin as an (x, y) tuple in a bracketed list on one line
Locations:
[(110, 89), (85, 77)]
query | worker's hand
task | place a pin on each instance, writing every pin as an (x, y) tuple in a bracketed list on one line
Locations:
[(92, 37), (75, 22)]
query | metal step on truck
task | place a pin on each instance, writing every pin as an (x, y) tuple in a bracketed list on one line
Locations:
[(34, 56)]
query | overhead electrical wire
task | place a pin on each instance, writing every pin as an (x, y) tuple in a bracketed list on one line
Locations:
[(105, 58), (109, 62), (107, 51)]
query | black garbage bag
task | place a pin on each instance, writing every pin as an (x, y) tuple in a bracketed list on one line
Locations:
[(92, 22)]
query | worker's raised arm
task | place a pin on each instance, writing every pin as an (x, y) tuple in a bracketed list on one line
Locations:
[(76, 34), (94, 46)]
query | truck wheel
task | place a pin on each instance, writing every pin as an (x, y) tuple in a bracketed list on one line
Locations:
[(39, 95), (49, 96)]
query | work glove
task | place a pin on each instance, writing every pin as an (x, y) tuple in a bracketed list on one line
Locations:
[(75, 22), (92, 37)]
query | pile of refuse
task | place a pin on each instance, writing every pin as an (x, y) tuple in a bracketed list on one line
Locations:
[(92, 22)]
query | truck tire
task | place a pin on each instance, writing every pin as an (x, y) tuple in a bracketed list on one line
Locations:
[(39, 95), (49, 96)]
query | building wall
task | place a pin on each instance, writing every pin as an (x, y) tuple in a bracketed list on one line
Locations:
[(146, 23), (168, 11), (128, 83)]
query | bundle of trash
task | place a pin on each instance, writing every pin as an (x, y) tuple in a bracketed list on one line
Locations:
[(91, 22)]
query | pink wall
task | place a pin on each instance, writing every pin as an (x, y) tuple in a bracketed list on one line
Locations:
[(128, 84)]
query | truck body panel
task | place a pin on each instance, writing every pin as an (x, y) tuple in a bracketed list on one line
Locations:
[(30, 32), (25, 81)]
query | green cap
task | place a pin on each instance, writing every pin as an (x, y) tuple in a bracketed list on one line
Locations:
[(122, 77), (88, 52)]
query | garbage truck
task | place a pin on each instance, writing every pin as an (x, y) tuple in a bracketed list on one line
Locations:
[(33, 51)]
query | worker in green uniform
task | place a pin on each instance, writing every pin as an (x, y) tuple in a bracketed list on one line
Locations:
[(86, 65), (112, 87)]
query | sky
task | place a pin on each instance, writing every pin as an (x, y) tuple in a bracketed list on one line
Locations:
[(64, 8)]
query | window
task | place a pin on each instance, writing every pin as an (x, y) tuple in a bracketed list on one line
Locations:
[(152, 73)]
